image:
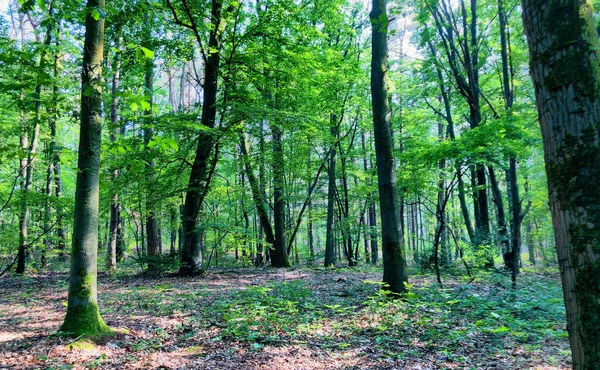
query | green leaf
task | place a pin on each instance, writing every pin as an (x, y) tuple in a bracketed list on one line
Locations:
[(95, 14), (147, 52)]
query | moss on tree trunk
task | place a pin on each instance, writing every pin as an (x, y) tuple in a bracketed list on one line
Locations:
[(563, 45), (83, 315)]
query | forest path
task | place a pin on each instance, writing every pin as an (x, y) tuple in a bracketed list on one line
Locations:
[(252, 318)]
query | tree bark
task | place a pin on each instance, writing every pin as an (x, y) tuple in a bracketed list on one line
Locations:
[(565, 68), (310, 224), (330, 239), (503, 236), (279, 255), (257, 194), (83, 315), (191, 257), (32, 151), (115, 207), (152, 228), (394, 260)]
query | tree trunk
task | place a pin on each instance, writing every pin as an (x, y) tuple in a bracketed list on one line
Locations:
[(310, 225), (53, 148), (394, 261), (31, 154), (152, 229), (565, 68), (330, 239), (83, 315), (504, 239), (279, 255), (257, 196), (47, 214), (115, 207), (191, 257), (517, 218), (173, 249)]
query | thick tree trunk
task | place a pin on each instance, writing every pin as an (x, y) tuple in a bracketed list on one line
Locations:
[(563, 47), (83, 315), (394, 260)]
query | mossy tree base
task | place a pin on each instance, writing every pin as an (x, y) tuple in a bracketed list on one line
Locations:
[(84, 320)]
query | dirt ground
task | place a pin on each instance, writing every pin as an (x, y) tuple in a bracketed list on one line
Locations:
[(198, 323)]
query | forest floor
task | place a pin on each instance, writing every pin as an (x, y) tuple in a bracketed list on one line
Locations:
[(252, 318)]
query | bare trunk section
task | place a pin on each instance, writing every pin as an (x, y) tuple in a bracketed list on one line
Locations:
[(257, 194), (394, 260), (191, 257), (279, 255), (310, 224), (503, 236), (152, 229), (32, 151), (565, 68), (115, 207), (83, 315), (330, 237)]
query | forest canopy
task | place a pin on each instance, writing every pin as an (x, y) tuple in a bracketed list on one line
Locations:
[(170, 139)]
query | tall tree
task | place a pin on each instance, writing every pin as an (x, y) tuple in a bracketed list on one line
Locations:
[(565, 67), (394, 259), (33, 146), (191, 256), (115, 206), (152, 228), (83, 314), (331, 193)]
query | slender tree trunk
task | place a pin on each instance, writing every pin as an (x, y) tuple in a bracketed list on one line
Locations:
[(330, 239), (517, 218), (191, 257), (173, 249), (507, 253), (115, 208), (257, 195), (565, 68), (310, 225), (345, 212), (54, 166), (511, 174), (394, 259), (152, 228), (440, 234), (373, 233), (47, 215), (367, 239), (32, 151), (279, 255), (83, 315)]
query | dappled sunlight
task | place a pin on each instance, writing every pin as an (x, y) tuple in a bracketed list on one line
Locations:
[(297, 320)]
